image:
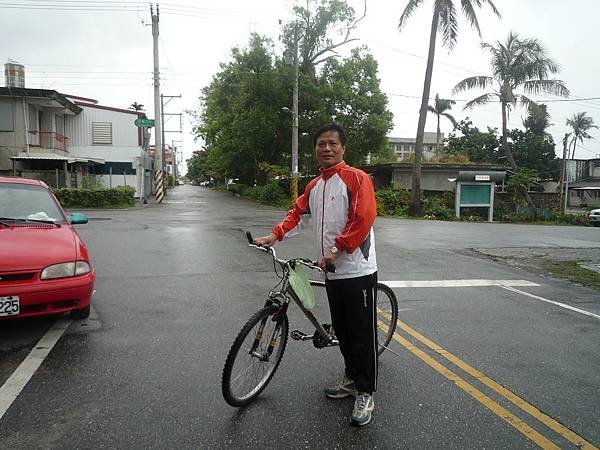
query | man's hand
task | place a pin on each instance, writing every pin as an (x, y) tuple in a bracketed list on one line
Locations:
[(265, 241), (326, 259)]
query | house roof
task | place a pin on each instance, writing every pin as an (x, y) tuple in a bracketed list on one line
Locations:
[(56, 98), (140, 114), (438, 167), (56, 157)]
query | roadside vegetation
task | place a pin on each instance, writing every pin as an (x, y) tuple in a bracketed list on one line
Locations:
[(572, 271), (245, 121), (118, 197)]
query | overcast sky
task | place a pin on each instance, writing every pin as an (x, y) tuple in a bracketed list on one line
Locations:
[(107, 55)]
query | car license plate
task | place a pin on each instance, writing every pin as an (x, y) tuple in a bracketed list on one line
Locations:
[(9, 306)]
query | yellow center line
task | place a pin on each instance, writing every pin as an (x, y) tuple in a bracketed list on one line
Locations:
[(496, 408), (499, 389)]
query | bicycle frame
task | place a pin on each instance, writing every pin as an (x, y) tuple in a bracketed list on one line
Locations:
[(282, 298)]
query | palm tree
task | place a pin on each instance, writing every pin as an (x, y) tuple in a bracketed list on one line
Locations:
[(581, 123), (566, 146), (136, 106), (445, 19), (440, 108), (538, 119), (518, 63)]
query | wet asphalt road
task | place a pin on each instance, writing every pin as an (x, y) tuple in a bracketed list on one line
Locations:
[(175, 284)]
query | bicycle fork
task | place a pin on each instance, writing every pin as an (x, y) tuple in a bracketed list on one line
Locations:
[(272, 341)]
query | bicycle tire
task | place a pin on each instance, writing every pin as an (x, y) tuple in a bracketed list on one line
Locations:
[(387, 306), (239, 350)]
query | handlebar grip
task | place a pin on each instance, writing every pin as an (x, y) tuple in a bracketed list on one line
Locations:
[(330, 267), (249, 237)]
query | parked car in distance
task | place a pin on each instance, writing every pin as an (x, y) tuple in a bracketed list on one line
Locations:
[(44, 265), (594, 217)]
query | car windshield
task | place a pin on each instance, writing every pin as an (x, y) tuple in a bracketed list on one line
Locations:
[(27, 202)]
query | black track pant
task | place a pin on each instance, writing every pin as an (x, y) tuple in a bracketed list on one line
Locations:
[(353, 316)]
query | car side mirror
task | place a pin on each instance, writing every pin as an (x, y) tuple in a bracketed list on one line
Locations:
[(78, 218)]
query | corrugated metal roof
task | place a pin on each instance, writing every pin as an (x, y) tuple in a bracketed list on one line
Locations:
[(52, 156)]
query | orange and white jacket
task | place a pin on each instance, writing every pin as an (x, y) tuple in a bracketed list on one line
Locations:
[(341, 203)]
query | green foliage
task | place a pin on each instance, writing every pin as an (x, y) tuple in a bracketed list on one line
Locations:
[(472, 144), (535, 151), (118, 197), (519, 183), (439, 206), (197, 169), (91, 182), (392, 201), (241, 119), (271, 194), (239, 189)]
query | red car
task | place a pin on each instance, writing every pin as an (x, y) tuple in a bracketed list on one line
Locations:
[(44, 265)]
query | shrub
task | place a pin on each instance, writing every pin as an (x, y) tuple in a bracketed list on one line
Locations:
[(271, 193), (120, 196), (437, 208), (392, 201), (239, 189)]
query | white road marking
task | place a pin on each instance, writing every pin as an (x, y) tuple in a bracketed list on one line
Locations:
[(562, 305), (456, 283), (17, 381)]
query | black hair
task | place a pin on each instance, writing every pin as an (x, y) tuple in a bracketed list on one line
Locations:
[(330, 127)]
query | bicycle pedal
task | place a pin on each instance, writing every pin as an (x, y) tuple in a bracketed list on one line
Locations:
[(298, 335)]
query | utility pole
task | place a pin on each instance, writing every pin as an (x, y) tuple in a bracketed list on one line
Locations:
[(158, 135), (164, 103), (294, 184)]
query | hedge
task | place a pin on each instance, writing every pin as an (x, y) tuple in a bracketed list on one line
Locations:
[(119, 197)]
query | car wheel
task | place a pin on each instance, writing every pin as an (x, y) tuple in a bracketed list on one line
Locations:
[(82, 313)]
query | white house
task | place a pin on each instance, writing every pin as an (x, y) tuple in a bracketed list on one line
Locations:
[(108, 133), (67, 140)]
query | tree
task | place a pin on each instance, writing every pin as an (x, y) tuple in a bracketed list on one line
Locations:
[(439, 109), (314, 26), (538, 118), (581, 123), (475, 145), (445, 20), (136, 106), (242, 118), (518, 63)]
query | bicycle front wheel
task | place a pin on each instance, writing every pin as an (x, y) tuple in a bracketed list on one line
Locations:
[(254, 356), (387, 313)]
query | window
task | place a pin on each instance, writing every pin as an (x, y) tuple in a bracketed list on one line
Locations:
[(60, 124), (102, 133), (7, 115)]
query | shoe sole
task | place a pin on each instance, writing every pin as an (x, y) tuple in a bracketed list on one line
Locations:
[(343, 395), (360, 424)]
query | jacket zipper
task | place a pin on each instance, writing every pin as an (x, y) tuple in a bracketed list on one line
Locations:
[(323, 219)]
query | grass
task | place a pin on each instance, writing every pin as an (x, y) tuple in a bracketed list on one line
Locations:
[(571, 271)]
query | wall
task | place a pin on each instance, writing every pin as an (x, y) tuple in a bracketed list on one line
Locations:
[(431, 181), (124, 146), (12, 142)]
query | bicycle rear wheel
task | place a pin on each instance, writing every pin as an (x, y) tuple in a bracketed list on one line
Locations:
[(387, 312), (254, 356)]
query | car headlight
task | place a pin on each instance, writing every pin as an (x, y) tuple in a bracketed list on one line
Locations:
[(63, 270)]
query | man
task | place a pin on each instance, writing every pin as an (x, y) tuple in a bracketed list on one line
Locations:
[(342, 204)]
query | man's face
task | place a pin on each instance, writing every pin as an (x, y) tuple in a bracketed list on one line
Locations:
[(330, 150)]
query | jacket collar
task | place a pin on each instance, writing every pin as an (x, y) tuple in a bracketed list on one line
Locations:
[(331, 171)]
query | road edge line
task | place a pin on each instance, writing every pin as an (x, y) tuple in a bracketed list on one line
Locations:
[(11, 389), (553, 302)]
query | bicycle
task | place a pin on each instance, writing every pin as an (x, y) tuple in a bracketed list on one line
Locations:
[(258, 348)]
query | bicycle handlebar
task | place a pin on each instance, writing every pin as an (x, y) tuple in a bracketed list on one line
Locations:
[(306, 262)]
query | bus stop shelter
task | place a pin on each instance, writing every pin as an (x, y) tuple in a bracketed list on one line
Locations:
[(475, 189)]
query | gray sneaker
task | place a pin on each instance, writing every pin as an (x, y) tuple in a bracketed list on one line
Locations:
[(344, 388), (363, 409)]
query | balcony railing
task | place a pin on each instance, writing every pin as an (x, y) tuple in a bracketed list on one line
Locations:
[(48, 139)]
